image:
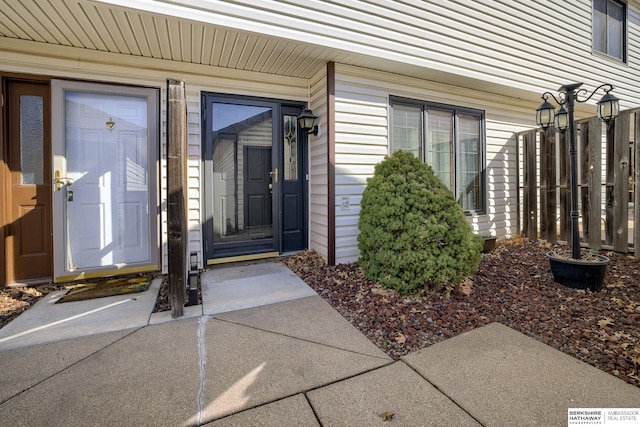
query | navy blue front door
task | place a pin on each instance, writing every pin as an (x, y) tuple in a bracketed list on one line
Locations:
[(254, 177)]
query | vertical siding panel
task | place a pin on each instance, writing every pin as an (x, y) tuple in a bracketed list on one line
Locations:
[(164, 227), (318, 170), (193, 171)]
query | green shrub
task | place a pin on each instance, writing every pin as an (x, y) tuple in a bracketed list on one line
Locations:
[(413, 234)]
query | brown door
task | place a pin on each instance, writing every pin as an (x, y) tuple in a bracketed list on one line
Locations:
[(28, 239)]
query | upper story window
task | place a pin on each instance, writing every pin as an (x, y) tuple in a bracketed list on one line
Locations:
[(609, 28), (450, 139)]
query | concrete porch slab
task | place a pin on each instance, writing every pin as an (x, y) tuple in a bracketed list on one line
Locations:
[(47, 321), (222, 273), (237, 287), (503, 377)]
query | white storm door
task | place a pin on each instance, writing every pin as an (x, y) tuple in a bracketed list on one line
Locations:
[(107, 205)]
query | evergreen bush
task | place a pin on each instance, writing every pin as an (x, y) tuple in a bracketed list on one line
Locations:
[(413, 234)]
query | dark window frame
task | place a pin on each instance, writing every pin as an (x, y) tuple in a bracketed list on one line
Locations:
[(456, 111), (624, 39)]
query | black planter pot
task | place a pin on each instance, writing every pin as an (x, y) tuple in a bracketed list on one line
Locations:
[(489, 244), (579, 274)]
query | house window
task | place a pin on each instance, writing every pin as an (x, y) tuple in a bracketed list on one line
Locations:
[(450, 139), (609, 29)]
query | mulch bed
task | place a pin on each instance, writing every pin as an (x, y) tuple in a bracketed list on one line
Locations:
[(513, 286)]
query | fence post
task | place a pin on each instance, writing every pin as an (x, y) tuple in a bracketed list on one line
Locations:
[(563, 183), (548, 226), (592, 173), (621, 183), (530, 205)]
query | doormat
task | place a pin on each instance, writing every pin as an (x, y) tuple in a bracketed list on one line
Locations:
[(107, 288)]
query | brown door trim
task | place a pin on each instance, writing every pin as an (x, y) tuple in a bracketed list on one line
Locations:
[(3, 185), (28, 211), (4, 170)]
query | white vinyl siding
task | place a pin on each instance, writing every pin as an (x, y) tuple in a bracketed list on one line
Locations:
[(362, 100), (486, 44), (318, 170), (497, 56), (192, 192), (361, 142)]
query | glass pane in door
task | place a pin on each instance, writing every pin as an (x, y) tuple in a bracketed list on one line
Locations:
[(31, 140), (242, 178), (290, 125)]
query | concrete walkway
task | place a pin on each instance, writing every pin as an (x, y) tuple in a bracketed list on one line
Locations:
[(289, 359)]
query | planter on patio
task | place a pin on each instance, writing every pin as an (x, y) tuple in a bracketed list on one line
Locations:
[(586, 272)]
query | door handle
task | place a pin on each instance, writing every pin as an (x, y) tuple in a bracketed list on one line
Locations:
[(61, 180), (274, 174)]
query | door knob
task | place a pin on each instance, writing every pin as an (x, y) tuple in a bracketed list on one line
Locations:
[(61, 180), (270, 186), (274, 174)]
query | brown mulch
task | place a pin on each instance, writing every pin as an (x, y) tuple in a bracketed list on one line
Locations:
[(15, 300), (513, 286)]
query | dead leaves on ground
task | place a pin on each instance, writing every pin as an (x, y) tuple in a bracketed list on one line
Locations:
[(386, 415)]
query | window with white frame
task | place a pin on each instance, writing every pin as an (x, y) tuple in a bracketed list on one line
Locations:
[(609, 28), (450, 139)]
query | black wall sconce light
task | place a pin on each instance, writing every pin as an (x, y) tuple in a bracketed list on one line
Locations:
[(306, 121)]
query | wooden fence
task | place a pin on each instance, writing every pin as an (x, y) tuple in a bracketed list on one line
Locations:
[(608, 184)]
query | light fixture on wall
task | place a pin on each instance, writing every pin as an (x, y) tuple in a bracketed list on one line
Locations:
[(306, 121), (563, 119)]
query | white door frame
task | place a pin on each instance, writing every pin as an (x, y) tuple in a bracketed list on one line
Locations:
[(63, 271)]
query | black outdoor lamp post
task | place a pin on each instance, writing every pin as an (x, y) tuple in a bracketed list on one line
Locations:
[(563, 119)]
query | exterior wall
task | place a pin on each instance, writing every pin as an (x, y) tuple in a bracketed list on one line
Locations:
[(63, 62), (362, 112), (318, 172), (517, 44), (493, 55)]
